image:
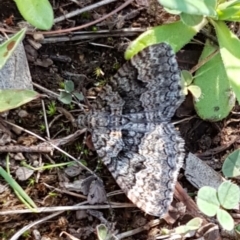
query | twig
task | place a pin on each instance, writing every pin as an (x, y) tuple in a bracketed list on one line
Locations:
[(31, 149), (107, 31), (56, 147), (47, 91), (192, 208), (100, 45), (92, 35), (82, 10), (219, 149), (54, 120), (207, 34), (187, 119), (19, 233), (200, 64), (149, 225), (45, 118), (65, 191), (66, 208), (45, 147), (74, 28)]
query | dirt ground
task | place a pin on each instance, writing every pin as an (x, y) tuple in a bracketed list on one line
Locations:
[(89, 63)]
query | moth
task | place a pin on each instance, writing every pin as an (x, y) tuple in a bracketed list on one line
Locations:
[(131, 129)]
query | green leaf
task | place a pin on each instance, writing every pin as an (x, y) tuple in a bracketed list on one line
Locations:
[(79, 96), (174, 12), (12, 98), (7, 48), (225, 219), (196, 91), (103, 233), (193, 224), (229, 11), (237, 229), (217, 99), (230, 53), (231, 165), (207, 201), (36, 12), (18, 190), (65, 97), (187, 77), (191, 20), (69, 86), (196, 7), (228, 195), (177, 34)]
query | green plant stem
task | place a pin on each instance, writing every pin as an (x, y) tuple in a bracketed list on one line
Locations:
[(47, 166), (200, 64), (18, 190)]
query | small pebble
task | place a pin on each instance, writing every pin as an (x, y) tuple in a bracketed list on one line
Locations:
[(36, 234), (16, 130), (22, 113)]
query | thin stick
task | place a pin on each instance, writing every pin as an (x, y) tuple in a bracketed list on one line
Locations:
[(66, 208), (93, 35), (45, 119), (56, 147), (200, 64), (74, 28), (149, 225), (82, 10)]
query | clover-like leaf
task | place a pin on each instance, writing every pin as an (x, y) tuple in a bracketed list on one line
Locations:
[(228, 195), (187, 77), (193, 224), (79, 96), (207, 201), (65, 97), (225, 219), (231, 165), (103, 233), (69, 86), (196, 92)]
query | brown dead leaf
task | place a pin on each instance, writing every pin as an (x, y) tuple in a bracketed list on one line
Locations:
[(9, 20), (89, 143), (27, 140)]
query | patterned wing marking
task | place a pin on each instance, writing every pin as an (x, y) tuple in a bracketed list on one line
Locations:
[(108, 101), (107, 142), (154, 186), (152, 76), (147, 167)]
